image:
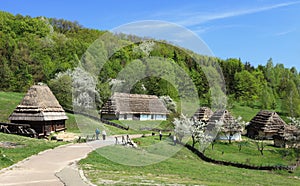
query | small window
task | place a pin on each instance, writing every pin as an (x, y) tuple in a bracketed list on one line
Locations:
[(125, 116)]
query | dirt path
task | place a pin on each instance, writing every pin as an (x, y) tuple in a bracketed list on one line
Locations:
[(52, 167)]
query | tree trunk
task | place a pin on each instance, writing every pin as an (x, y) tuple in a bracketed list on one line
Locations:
[(193, 137)]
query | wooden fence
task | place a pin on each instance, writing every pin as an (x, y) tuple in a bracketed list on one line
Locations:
[(240, 165), (19, 129)]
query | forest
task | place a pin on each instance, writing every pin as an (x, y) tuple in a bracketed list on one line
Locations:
[(48, 50)]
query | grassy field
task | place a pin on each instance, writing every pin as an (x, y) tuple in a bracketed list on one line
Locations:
[(181, 168), (8, 102), (247, 113), (22, 147), (250, 155), (87, 126), (142, 125)]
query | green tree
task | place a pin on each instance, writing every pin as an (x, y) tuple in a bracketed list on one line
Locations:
[(6, 76), (267, 98), (291, 101), (61, 86), (247, 87)]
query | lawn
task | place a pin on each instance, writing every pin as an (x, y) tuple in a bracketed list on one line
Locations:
[(22, 148), (8, 102), (114, 165), (247, 113), (87, 126), (143, 125), (249, 154)]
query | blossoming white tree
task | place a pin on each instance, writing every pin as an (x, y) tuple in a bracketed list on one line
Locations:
[(188, 127)]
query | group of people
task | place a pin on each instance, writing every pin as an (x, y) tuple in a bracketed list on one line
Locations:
[(97, 131)]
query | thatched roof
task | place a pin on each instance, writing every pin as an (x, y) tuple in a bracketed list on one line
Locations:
[(39, 104), (122, 103), (203, 114), (267, 122), (288, 132), (229, 124), (289, 137)]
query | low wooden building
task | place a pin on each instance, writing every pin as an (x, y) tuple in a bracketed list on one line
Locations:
[(265, 125), (41, 110), (203, 114), (288, 138), (122, 106), (230, 128)]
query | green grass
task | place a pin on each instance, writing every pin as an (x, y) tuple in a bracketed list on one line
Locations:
[(141, 125), (247, 113), (8, 102), (25, 148), (250, 155), (71, 124), (107, 166), (87, 126)]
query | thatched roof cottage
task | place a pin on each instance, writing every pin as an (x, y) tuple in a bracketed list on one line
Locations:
[(289, 137), (123, 106), (41, 110), (265, 125), (203, 114), (230, 128)]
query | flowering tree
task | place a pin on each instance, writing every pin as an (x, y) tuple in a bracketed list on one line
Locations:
[(232, 127), (169, 103), (183, 127), (145, 47), (294, 121), (293, 137), (196, 129), (78, 84)]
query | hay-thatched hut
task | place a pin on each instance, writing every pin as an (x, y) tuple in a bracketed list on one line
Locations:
[(289, 137), (265, 125), (230, 130), (41, 110), (203, 114), (122, 106)]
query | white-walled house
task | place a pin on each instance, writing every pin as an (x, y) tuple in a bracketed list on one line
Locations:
[(123, 106), (230, 128)]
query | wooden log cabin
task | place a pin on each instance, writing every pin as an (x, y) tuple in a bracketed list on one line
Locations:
[(123, 106), (265, 125), (41, 110), (203, 114)]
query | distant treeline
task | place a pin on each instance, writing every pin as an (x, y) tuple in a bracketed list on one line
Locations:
[(35, 50)]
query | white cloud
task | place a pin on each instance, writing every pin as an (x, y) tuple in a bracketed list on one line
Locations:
[(196, 18), (284, 32)]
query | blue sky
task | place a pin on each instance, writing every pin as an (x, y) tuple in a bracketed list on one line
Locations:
[(253, 30)]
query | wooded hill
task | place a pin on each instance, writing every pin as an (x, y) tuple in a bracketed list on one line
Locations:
[(35, 50)]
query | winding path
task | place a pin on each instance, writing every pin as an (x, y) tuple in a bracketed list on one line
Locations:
[(55, 167)]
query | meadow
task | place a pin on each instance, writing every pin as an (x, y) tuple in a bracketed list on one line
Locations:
[(182, 168)]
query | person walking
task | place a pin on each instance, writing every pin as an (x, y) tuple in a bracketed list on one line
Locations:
[(97, 131), (103, 134), (174, 139), (160, 135)]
